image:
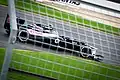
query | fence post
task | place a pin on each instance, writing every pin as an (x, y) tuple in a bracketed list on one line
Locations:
[(11, 41)]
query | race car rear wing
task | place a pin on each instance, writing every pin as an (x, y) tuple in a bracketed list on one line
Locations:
[(7, 22)]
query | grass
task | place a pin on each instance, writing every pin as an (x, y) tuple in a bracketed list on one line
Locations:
[(14, 75), (2, 51), (61, 67), (3, 2), (51, 12)]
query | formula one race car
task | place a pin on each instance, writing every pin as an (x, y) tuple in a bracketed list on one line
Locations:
[(46, 34)]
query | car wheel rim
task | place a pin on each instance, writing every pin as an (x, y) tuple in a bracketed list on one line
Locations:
[(23, 37), (85, 55), (57, 41)]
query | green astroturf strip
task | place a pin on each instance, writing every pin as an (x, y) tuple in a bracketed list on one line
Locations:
[(60, 67), (45, 10), (79, 20), (86, 22)]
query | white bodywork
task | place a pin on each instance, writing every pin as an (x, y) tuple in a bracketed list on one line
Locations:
[(40, 33)]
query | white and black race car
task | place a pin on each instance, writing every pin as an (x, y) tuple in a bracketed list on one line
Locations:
[(47, 34)]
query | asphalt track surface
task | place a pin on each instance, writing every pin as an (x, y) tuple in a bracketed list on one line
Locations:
[(66, 29)]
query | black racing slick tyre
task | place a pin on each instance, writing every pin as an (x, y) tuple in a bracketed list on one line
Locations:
[(57, 41), (23, 35)]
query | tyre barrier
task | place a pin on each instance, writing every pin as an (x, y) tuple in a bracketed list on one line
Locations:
[(23, 35)]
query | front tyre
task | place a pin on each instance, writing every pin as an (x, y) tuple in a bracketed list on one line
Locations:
[(84, 52), (57, 41)]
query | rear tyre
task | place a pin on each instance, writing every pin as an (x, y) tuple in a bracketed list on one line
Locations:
[(23, 35)]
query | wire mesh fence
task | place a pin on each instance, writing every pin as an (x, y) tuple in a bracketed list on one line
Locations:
[(53, 44)]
